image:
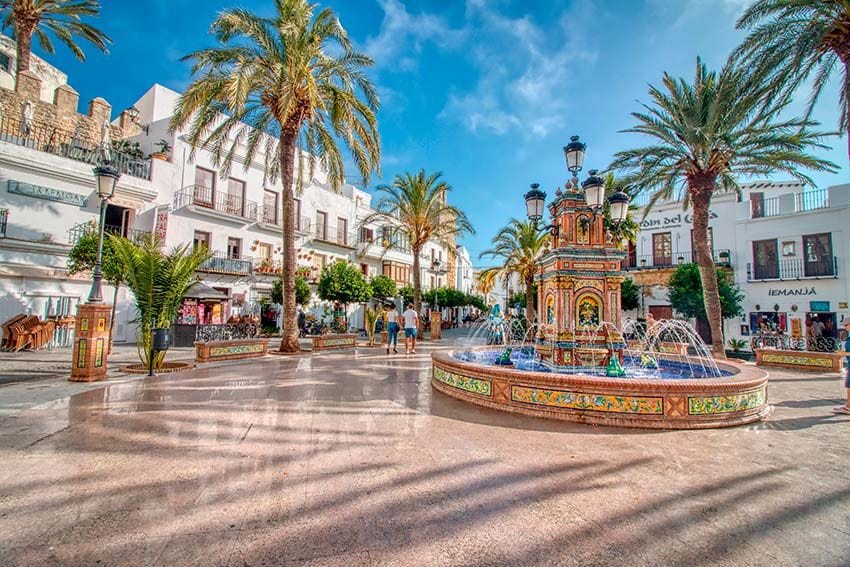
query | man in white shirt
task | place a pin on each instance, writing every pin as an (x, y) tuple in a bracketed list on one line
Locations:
[(411, 324)]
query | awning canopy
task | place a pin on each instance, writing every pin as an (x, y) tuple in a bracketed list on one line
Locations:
[(205, 293)]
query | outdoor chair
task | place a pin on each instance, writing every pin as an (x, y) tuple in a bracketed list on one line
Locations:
[(7, 331)]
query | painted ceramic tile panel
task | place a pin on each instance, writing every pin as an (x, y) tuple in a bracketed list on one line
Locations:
[(473, 385), (583, 401), (797, 360), (725, 404), (235, 349)]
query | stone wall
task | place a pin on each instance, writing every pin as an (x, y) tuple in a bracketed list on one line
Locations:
[(61, 117)]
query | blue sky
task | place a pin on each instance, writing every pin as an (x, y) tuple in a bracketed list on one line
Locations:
[(486, 91)]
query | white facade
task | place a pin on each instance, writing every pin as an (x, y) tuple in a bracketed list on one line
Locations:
[(465, 276), (787, 248), (184, 198)]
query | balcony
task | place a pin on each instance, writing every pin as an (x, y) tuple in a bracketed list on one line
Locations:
[(331, 235), (793, 269), (646, 262), (79, 230), (789, 203), (271, 219), (207, 201), (220, 263), (266, 267), (64, 143)]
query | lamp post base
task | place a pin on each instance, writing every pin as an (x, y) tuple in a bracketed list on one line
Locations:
[(91, 343)]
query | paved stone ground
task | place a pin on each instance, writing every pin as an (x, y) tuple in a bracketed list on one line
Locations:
[(352, 459)]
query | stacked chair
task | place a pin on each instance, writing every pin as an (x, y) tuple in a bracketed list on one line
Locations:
[(26, 332)]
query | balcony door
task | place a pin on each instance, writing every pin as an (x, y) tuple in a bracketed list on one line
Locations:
[(204, 187), (234, 248), (270, 207), (817, 250), (765, 259), (235, 203), (321, 225), (662, 249), (201, 240), (342, 230)]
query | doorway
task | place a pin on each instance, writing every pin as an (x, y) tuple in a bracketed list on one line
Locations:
[(116, 220)]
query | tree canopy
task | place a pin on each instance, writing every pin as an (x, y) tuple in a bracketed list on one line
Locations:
[(83, 255), (303, 293), (343, 282), (629, 295), (685, 292), (383, 287)]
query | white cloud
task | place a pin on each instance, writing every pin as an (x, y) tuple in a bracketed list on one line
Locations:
[(401, 31), (522, 78)]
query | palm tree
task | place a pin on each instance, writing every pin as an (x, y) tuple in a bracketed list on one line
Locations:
[(487, 279), (519, 245), (415, 206), (790, 41), (703, 135), (62, 18), (628, 229), (274, 84), (159, 281)]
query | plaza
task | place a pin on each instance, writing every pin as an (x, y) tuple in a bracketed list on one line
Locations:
[(352, 459)]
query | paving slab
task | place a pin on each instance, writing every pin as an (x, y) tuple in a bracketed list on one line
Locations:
[(350, 458)]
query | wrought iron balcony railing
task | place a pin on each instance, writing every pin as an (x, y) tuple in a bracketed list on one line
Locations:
[(331, 235), (79, 230), (205, 197), (793, 269), (221, 263), (649, 261), (271, 216), (59, 142)]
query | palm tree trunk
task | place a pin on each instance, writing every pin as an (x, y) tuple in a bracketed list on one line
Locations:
[(24, 47), (529, 300), (417, 282), (701, 201), (289, 340)]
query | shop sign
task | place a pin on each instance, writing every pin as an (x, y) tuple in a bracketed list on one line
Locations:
[(671, 222), (791, 292), (46, 193), (161, 228), (819, 306)]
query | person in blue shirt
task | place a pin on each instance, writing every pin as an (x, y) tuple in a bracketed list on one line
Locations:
[(845, 409)]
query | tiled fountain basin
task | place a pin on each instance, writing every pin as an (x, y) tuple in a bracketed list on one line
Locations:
[(623, 402)]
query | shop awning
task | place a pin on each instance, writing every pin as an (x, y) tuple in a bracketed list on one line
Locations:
[(205, 293)]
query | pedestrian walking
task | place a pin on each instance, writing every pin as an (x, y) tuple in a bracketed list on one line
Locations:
[(391, 316), (411, 325)]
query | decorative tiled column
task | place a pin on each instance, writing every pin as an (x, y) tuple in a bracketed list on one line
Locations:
[(91, 343)]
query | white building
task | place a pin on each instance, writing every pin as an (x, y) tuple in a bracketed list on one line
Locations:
[(47, 201), (786, 246)]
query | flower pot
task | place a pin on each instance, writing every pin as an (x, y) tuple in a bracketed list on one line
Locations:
[(160, 156)]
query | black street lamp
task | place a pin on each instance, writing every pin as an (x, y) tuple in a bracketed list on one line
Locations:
[(574, 154), (535, 202), (107, 178), (594, 191), (618, 206)]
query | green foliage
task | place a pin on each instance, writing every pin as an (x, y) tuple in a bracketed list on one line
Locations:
[(343, 282), (476, 301), (685, 291), (159, 282), (370, 319), (303, 293), (163, 146), (83, 255), (737, 344), (383, 287), (63, 19), (406, 294), (132, 150), (629, 295), (791, 42), (518, 299)]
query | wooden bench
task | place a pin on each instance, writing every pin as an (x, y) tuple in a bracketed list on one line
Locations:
[(30, 332), (7, 331), (808, 360), (333, 341), (210, 351)]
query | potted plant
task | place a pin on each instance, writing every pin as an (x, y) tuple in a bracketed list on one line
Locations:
[(163, 147), (736, 345)]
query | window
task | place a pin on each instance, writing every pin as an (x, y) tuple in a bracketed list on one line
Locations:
[(367, 235), (235, 197), (400, 273), (204, 187), (765, 259), (817, 251), (271, 211), (433, 282), (789, 248), (319, 261), (264, 251), (364, 269), (662, 249), (201, 240), (342, 230), (296, 204), (234, 248), (5, 63), (321, 225), (757, 205)]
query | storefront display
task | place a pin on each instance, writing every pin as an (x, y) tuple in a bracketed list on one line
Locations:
[(768, 322)]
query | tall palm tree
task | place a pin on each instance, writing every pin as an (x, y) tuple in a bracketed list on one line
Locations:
[(62, 18), (486, 280), (274, 84), (705, 133), (791, 41), (519, 245), (626, 230), (416, 205)]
